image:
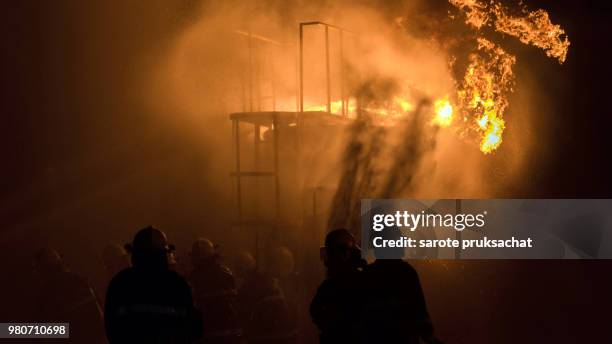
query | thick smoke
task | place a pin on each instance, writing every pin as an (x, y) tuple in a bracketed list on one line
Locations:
[(366, 174), (398, 53)]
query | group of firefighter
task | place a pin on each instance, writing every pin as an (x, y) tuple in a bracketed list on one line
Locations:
[(148, 301)]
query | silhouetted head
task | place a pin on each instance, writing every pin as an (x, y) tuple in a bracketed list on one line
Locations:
[(49, 261), (115, 258), (202, 251), (243, 265), (341, 252), (282, 263), (150, 249)]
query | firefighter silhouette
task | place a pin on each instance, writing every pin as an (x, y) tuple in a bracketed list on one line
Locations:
[(335, 307), (264, 312), (242, 265), (393, 305), (148, 302), (67, 297), (215, 295)]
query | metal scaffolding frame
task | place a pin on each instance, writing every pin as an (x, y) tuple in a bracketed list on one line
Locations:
[(258, 118), (343, 96), (251, 88)]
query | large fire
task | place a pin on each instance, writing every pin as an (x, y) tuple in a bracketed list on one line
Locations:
[(489, 79), (483, 91), (530, 27), (481, 98)]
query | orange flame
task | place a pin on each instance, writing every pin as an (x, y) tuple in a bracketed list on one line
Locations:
[(443, 112), (533, 28), (489, 78)]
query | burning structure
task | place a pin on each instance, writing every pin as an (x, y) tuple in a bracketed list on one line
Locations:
[(289, 169), (338, 116)]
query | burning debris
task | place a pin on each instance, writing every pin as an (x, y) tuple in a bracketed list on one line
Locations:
[(476, 109), (534, 28), (482, 94)]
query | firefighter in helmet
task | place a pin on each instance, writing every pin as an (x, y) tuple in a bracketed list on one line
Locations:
[(215, 294), (149, 302), (67, 297)]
